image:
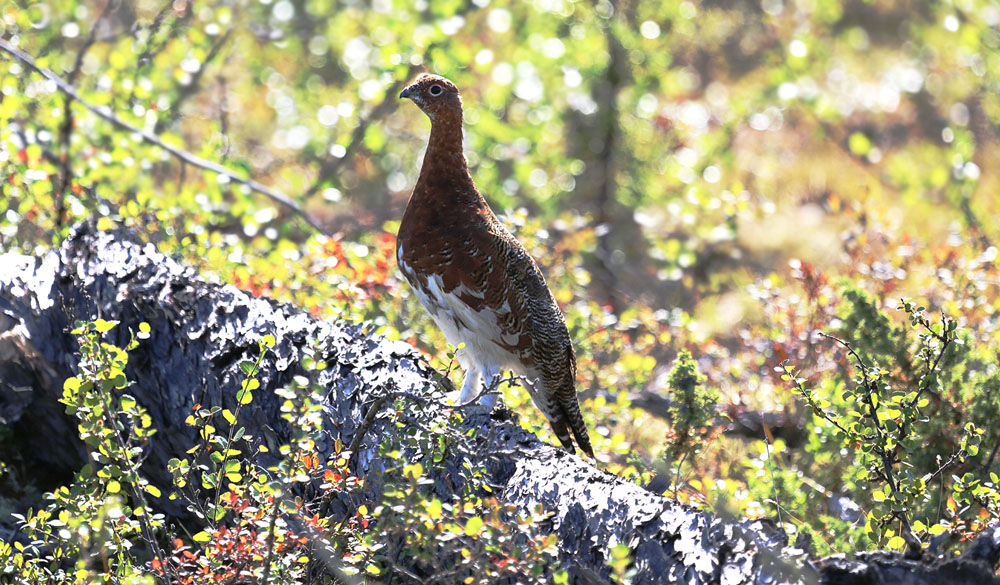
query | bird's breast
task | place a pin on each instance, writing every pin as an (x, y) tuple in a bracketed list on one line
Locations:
[(476, 326)]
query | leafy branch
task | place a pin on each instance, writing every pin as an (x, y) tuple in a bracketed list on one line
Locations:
[(108, 442), (885, 423)]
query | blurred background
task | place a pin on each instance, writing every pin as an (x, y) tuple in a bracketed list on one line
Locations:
[(702, 176)]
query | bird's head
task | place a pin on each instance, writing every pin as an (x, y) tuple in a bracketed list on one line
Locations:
[(435, 95)]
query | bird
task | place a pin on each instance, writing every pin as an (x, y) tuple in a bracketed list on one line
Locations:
[(477, 281)]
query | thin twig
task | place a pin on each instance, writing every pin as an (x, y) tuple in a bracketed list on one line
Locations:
[(956, 455), (359, 435), (774, 486), (191, 87), (677, 474), (848, 347), (66, 128), (270, 540), (148, 532), (178, 153), (331, 167), (376, 408), (816, 409), (993, 454), (888, 456), (146, 56), (487, 389), (366, 423), (945, 341), (252, 374)]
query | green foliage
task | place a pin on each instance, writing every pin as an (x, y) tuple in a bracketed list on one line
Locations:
[(871, 333), (620, 559), (87, 532), (884, 416), (471, 539), (688, 175), (691, 414), (270, 524)]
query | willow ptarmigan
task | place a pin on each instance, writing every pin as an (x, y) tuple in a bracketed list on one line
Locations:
[(478, 281)]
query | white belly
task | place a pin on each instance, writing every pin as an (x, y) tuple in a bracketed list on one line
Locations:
[(477, 332)]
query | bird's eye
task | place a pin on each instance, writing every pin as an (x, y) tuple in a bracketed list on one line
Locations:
[(436, 90)]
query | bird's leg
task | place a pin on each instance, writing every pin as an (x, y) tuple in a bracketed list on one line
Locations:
[(531, 382), (492, 387), (471, 386)]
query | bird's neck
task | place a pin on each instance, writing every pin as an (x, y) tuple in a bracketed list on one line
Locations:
[(446, 133), (444, 161)]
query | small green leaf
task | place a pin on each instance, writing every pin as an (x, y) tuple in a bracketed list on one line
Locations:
[(268, 340), (245, 396), (103, 326), (859, 144), (202, 537), (114, 487), (434, 509), (413, 471), (229, 416), (153, 491), (896, 542), (473, 526)]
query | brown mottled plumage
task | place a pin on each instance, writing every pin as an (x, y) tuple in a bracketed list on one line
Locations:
[(478, 281)]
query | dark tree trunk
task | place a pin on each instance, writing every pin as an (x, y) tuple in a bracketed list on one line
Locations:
[(200, 333)]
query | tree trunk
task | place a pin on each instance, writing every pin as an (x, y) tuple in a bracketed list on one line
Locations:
[(201, 331)]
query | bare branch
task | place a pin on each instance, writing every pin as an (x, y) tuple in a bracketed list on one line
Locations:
[(182, 155), (807, 394), (366, 424)]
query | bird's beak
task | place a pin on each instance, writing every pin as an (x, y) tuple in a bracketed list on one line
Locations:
[(406, 93)]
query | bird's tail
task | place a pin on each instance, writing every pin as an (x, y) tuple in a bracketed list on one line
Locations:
[(579, 429), (568, 415), (572, 420)]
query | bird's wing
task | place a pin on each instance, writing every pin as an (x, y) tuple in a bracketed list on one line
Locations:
[(547, 343)]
